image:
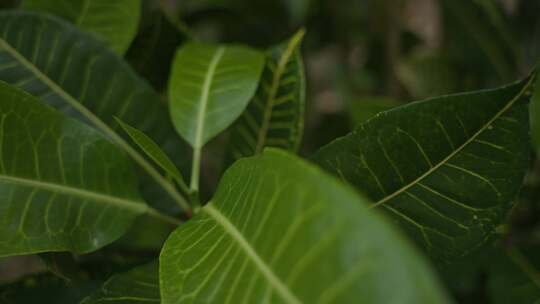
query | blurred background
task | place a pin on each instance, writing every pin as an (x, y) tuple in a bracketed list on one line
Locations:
[(366, 56)]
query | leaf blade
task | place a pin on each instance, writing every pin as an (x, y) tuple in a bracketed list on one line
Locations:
[(447, 184), (154, 152), (274, 117), (51, 165), (138, 285), (209, 87), (48, 64), (314, 221), (112, 22)]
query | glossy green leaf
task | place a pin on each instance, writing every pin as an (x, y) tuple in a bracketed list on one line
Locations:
[(153, 151), (114, 22), (275, 115), (446, 169), (70, 70), (63, 186), (139, 285), (209, 87), (280, 230)]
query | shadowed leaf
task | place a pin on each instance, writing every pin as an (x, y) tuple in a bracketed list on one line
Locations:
[(275, 115), (446, 169), (139, 285)]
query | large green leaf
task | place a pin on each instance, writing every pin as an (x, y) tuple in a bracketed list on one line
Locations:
[(279, 230), (139, 285), (63, 186), (446, 169), (70, 70), (114, 22), (209, 87), (275, 116)]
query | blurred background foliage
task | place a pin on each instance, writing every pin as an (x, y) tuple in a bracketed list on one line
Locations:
[(363, 57)]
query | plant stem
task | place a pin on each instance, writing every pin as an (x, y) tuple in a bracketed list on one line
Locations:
[(163, 217), (195, 170)]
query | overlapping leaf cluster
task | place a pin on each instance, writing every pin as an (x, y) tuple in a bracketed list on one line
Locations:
[(87, 149)]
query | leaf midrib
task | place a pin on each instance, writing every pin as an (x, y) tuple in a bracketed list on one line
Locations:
[(283, 60), (457, 150), (136, 206), (250, 252), (205, 94), (168, 187)]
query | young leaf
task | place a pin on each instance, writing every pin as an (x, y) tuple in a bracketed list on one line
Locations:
[(64, 186), (446, 169), (209, 87), (281, 231), (78, 75), (275, 115), (139, 285), (154, 152), (114, 22)]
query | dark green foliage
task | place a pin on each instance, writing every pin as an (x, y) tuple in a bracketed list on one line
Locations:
[(151, 151)]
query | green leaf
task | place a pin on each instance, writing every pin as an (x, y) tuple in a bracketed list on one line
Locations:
[(154, 152), (114, 22), (139, 285), (209, 87), (275, 116), (279, 230), (63, 185), (70, 70), (446, 169)]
